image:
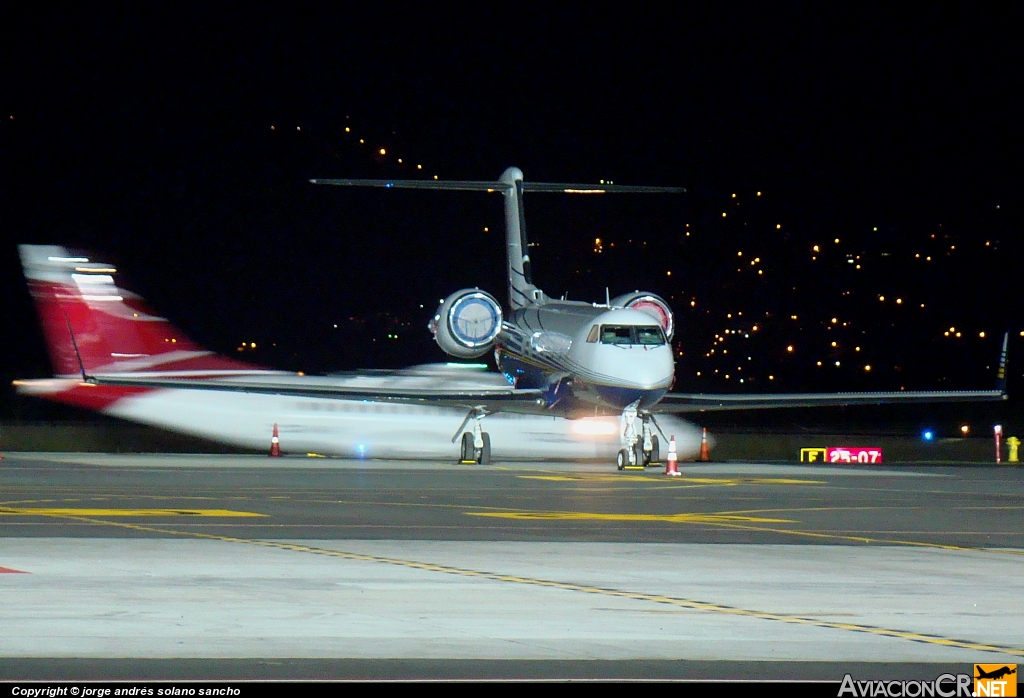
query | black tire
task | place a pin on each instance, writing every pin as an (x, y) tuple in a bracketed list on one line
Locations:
[(485, 452), (468, 451), (622, 460), (638, 453), (655, 450)]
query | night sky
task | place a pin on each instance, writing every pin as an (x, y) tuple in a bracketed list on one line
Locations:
[(178, 142)]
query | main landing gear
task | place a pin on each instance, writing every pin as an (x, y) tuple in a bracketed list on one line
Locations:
[(639, 449), (476, 443)]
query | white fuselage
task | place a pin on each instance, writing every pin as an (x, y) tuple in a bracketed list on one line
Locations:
[(361, 429), (375, 429)]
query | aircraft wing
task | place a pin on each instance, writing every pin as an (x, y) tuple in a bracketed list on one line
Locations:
[(490, 399), (707, 402)]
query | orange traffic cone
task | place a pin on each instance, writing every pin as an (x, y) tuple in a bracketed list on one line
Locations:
[(705, 452), (671, 463), (275, 444)]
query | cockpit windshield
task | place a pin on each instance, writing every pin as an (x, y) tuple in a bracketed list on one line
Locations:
[(625, 335)]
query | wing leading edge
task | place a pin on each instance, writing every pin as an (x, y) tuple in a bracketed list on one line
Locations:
[(707, 402), (491, 400)]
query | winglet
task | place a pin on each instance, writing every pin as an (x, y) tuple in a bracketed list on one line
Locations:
[(1001, 373)]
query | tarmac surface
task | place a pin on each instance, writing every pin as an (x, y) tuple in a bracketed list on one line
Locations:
[(247, 567)]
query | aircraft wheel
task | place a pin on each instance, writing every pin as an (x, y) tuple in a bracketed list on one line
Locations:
[(467, 452), (485, 452), (622, 460), (638, 454), (655, 456)]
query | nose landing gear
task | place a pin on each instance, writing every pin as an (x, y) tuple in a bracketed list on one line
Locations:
[(639, 449)]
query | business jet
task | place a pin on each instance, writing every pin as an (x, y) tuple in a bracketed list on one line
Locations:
[(565, 362)]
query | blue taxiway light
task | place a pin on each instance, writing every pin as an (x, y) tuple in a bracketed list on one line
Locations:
[(928, 435)]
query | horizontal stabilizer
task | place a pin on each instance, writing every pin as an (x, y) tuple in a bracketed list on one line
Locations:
[(469, 185)]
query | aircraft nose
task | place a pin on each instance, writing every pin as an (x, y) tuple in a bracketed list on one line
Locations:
[(647, 369)]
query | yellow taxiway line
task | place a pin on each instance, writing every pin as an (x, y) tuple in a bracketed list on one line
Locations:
[(40, 511), (674, 601)]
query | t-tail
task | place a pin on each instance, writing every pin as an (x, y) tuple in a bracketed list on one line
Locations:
[(521, 291)]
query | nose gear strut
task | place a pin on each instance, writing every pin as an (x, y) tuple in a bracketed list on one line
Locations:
[(642, 448)]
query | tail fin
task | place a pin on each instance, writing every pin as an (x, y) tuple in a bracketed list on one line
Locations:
[(521, 291), (93, 324)]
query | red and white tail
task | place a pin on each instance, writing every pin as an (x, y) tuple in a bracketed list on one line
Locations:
[(93, 324)]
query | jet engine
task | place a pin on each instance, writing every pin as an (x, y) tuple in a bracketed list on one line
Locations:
[(467, 323), (653, 305)]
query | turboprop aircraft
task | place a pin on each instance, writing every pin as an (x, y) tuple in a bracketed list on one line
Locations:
[(557, 358)]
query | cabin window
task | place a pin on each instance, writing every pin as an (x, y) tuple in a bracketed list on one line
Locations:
[(592, 337), (625, 335)]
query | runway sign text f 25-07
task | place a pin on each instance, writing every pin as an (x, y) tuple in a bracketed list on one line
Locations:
[(841, 454), (853, 455)]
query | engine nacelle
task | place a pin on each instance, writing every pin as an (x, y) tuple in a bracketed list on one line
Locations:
[(467, 323), (653, 305)]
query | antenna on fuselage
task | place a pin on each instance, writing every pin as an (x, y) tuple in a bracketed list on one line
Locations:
[(521, 291)]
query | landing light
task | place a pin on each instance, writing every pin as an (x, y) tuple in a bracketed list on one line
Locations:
[(591, 426)]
